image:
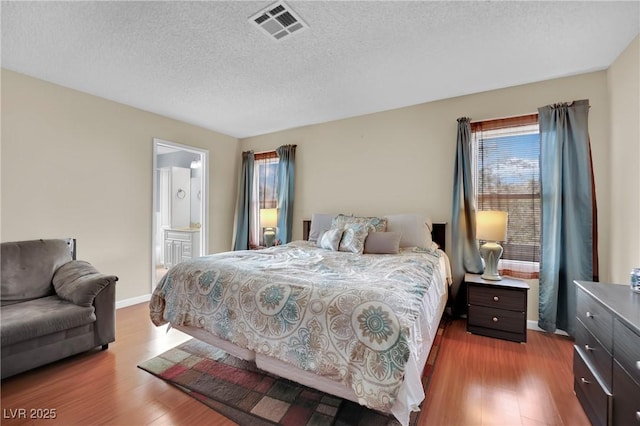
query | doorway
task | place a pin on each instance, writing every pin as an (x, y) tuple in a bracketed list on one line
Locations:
[(180, 207)]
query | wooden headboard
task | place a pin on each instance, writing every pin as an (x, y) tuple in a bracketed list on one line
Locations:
[(438, 234)]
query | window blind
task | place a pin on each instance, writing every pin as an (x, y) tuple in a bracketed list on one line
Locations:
[(266, 170), (507, 178)]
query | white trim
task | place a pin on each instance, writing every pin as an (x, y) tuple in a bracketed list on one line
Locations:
[(204, 204), (133, 301)]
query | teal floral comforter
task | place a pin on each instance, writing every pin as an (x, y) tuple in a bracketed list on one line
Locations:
[(344, 316)]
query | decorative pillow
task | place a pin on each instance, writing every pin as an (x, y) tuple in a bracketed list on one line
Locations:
[(319, 222), (415, 229), (382, 243), (375, 224), (353, 238), (330, 239), (79, 282)]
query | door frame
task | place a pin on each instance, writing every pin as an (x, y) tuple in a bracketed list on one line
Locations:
[(204, 201)]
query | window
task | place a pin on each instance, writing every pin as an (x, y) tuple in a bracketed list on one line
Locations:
[(266, 173), (507, 178), (265, 195)]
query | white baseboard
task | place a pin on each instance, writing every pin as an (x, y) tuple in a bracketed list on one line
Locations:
[(133, 301), (533, 325)]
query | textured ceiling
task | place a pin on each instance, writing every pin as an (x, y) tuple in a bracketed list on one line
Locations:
[(206, 64)]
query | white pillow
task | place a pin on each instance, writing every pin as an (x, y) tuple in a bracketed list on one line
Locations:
[(354, 237), (415, 229), (330, 239), (320, 222)]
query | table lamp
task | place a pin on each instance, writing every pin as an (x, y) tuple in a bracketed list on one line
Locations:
[(491, 227), (269, 221)]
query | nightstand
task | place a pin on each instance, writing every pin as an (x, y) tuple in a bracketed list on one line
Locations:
[(497, 308)]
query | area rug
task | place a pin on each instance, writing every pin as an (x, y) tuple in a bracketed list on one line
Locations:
[(251, 397)]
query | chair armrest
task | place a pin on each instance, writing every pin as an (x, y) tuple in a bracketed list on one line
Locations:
[(79, 282), (105, 308)]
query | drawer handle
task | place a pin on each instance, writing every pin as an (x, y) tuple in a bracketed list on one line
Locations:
[(584, 381), (496, 298), (637, 365), (588, 348), (638, 416), (589, 314), (495, 319)]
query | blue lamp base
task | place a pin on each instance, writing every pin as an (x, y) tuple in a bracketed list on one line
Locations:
[(269, 237)]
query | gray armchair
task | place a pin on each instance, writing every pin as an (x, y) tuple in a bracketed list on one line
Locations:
[(53, 305)]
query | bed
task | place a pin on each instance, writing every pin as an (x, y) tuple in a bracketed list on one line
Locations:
[(357, 326)]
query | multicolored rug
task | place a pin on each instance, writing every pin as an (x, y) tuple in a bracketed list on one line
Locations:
[(249, 396)]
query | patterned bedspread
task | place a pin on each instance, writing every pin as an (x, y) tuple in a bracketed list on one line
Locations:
[(343, 316)]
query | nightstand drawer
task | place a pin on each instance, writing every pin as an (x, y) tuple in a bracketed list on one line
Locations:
[(627, 350), (595, 399), (497, 308), (496, 297), (594, 352), (497, 319), (596, 318)]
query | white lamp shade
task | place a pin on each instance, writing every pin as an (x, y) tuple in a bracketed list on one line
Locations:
[(269, 218), (491, 225)]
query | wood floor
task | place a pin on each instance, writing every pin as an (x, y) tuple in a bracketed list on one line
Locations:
[(477, 381)]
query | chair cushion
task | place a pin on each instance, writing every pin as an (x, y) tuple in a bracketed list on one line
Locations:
[(28, 267), (39, 317)]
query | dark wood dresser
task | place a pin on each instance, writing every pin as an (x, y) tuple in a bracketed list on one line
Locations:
[(497, 308), (606, 362)]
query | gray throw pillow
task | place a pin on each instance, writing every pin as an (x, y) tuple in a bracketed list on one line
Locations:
[(382, 243), (415, 229), (79, 282), (320, 222)]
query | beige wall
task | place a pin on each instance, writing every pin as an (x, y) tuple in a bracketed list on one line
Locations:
[(624, 97), (75, 165), (78, 165), (402, 160)]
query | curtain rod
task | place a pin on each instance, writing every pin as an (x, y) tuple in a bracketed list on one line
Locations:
[(503, 118)]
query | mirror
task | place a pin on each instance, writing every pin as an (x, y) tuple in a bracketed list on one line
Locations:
[(180, 193)]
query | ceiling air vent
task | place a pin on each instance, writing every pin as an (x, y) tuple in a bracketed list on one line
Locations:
[(278, 20)]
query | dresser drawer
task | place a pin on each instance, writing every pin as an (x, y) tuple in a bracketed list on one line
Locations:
[(626, 349), (496, 297), (179, 236), (596, 318), (595, 397), (626, 409), (496, 319), (594, 352)]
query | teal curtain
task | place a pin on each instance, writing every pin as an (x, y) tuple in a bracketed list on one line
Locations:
[(243, 206), (286, 180), (568, 219), (465, 256)]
